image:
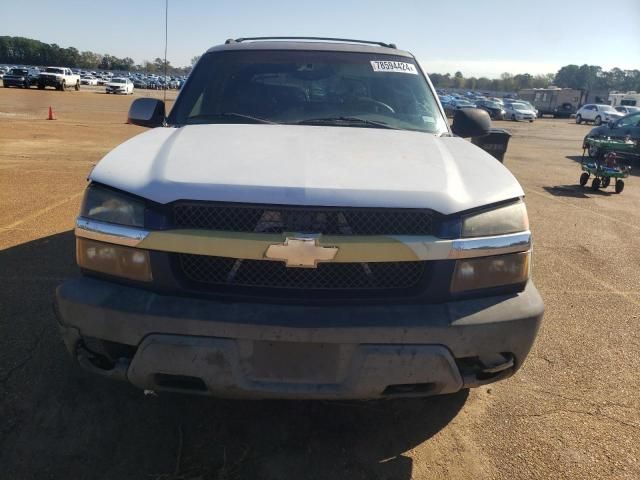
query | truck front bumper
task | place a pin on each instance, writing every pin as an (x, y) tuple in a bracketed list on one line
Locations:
[(294, 351)]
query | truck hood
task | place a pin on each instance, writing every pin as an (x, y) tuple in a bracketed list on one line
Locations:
[(307, 165)]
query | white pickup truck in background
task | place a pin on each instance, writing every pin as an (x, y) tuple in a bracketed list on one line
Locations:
[(60, 78)]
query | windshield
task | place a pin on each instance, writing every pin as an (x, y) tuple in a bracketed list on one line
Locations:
[(606, 108), (519, 106), (18, 71), (327, 88), (54, 70), (118, 80), (491, 104)]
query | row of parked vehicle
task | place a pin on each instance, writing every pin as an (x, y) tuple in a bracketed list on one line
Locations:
[(137, 80), (62, 78), (522, 110), (497, 108)]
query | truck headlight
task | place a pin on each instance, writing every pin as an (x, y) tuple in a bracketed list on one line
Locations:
[(489, 272), (116, 260), (500, 221), (111, 206)]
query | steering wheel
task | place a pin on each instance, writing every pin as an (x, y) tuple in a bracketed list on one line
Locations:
[(377, 103)]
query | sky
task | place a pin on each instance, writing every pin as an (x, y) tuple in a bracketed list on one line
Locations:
[(477, 37)]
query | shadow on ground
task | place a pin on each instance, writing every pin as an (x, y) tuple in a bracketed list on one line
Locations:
[(576, 191), (59, 422)]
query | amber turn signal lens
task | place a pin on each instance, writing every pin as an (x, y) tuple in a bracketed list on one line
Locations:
[(116, 260), (489, 272)]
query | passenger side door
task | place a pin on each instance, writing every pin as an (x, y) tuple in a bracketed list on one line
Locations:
[(589, 113)]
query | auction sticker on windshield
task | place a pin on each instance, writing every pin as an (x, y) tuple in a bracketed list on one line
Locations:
[(397, 67)]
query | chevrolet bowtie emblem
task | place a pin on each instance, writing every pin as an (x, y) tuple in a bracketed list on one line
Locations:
[(301, 252)]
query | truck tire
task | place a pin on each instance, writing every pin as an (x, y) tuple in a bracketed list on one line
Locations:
[(77, 86)]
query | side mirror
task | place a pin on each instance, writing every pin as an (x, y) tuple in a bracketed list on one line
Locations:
[(471, 122), (147, 112)]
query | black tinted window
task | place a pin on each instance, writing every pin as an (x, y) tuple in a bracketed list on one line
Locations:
[(296, 86)]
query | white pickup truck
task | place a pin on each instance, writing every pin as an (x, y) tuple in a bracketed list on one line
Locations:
[(60, 78), (303, 224)]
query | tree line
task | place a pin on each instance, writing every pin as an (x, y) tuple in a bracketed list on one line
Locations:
[(27, 51), (585, 77)]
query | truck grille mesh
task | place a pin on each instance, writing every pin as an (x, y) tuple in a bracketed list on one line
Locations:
[(325, 220), (211, 271)]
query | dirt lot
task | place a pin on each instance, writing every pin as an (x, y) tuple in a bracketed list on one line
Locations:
[(573, 411)]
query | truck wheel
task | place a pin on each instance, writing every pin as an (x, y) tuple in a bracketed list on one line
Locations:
[(77, 86), (584, 178), (619, 186), (606, 181), (595, 185), (578, 119), (597, 121)]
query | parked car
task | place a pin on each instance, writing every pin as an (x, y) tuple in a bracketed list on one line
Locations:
[(625, 128), (120, 85), (60, 78), (565, 110), (495, 110), (88, 80), (408, 274), (457, 104), (625, 110), (21, 77), (597, 114), (528, 105), (518, 111)]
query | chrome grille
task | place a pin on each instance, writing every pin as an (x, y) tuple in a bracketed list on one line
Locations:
[(220, 271), (325, 220)]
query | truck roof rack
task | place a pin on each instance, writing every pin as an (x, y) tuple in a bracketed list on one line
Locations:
[(346, 40)]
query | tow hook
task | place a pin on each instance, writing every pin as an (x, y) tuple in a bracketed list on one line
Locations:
[(509, 363), (489, 369), (100, 366)]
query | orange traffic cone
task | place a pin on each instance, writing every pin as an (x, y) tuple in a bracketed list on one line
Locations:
[(52, 115)]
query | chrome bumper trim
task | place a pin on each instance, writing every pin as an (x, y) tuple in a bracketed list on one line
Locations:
[(109, 232), (487, 246), (422, 248)]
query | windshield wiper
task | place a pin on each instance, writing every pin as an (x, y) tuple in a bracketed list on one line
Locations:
[(231, 115), (341, 120)]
